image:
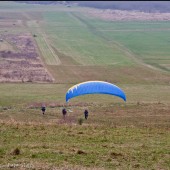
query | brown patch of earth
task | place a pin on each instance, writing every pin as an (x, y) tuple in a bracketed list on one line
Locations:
[(22, 64)]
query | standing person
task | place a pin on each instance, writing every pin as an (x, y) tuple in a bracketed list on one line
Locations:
[(64, 112), (43, 108), (86, 114)]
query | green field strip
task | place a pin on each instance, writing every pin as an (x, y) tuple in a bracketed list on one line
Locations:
[(26, 93), (100, 51), (145, 45), (49, 56), (142, 44), (46, 50), (129, 25)]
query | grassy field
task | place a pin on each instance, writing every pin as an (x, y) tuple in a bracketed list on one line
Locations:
[(23, 94), (102, 45), (92, 39), (67, 39), (117, 135), (74, 48), (73, 38)]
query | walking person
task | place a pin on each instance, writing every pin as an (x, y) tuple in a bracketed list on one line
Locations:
[(86, 114), (64, 112), (43, 108)]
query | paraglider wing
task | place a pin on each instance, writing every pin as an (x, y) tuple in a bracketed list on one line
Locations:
[(94, 87)]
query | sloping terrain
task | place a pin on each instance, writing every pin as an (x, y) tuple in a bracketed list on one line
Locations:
[(106, 48), (75, 45), (63, 42), (115, 135)]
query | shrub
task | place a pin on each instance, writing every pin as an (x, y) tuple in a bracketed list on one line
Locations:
[(80, 121), (16, 151)]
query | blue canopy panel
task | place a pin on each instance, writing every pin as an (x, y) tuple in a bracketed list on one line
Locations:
[(95, 87)]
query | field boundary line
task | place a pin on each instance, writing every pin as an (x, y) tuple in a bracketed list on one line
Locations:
[(39, 31), (121, 47), (41, 56), (58, 62)]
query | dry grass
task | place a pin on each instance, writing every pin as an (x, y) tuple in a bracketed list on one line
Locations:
[(119, 136), (23, 60)]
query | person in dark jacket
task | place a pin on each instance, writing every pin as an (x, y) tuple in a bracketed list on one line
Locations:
[(43, 108), (86, 114), (64, 112)]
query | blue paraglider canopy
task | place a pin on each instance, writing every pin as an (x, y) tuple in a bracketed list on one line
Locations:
[(94, 87)]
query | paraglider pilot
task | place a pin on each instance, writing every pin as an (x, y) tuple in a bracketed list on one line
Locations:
[(86, 113), (64, 112), (43, 108)]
